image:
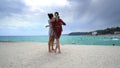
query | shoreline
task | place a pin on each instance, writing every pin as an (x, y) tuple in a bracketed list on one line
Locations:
[(66, 40), (55, 43), (73, 35)]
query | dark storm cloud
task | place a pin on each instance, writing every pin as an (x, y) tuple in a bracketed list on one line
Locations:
[(8, 7), (95, 14), (106, 10)]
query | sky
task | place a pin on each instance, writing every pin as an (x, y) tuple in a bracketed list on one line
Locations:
[(29, 17)]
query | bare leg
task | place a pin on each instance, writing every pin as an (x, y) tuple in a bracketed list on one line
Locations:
[(49, 47), (49, 44), (52, 43), (57, 46)]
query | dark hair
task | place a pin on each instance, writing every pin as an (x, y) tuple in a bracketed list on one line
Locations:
[(57, 13), (50, 15)]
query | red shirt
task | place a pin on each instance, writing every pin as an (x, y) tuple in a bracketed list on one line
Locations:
[(59, 24), (57, 27)]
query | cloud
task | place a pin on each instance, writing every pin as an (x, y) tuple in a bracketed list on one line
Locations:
[(45, 6), (7, 7), (44, 3), (16, 23), (80, 15), (94, 14)]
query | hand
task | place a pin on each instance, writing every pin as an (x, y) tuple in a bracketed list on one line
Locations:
[(46, 26)]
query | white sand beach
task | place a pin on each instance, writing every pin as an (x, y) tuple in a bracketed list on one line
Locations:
[(35, 55)]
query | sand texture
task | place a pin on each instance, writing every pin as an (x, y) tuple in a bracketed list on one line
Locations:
[(35, 55)]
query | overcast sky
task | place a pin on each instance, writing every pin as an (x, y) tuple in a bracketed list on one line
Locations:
[(29, 17)]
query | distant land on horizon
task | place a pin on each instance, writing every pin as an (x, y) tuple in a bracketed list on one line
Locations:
[(107, 31)]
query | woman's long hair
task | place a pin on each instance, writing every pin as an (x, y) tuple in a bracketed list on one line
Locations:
[(50, 15)]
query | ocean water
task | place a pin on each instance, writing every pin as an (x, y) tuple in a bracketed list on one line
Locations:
[(65, 39)]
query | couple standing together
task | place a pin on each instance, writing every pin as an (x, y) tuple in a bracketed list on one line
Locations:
[(55, 31)]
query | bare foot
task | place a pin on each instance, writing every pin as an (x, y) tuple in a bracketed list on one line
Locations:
[(53, 49), (59, 52), (50, 51)]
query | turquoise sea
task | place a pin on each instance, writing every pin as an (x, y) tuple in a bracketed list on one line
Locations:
[(65, 39)]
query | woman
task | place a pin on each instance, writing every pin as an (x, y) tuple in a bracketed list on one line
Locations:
[(57, 28), (51, 34)]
